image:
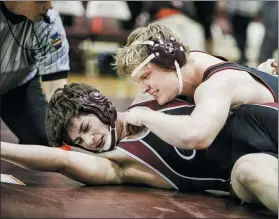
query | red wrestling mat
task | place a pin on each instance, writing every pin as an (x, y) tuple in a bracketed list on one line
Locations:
[(51, 195)]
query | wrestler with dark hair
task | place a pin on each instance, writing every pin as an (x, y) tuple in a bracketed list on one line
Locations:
[(75, 101), (81, 116)]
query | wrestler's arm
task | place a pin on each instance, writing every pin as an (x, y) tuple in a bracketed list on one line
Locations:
[(195, 131), (85, 168)]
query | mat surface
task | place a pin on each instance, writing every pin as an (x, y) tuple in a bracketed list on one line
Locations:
[(51, 195)]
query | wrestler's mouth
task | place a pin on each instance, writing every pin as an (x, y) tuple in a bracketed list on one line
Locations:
[(99, 143)]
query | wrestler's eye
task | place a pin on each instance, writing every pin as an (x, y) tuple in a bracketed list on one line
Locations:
[(145, 76), (78, 141), (86, 128)]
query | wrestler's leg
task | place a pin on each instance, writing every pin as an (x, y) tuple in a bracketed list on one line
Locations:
[(255, 179)]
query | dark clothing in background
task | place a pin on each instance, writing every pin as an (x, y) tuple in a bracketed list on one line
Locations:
[(205, 12), (26, 116), (270, 22)]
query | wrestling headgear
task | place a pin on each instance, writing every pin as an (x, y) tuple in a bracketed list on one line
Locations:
[(166, 53), (99, 105)]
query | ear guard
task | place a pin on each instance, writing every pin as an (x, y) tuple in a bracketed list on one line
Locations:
[(166, 53), (112, 130)]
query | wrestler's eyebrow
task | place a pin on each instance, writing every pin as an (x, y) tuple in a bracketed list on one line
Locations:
[(143, 74), (80, 130)]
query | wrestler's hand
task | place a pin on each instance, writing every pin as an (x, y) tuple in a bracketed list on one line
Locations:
[(270, 66), (131, 129), (132, 122), (275, 66)]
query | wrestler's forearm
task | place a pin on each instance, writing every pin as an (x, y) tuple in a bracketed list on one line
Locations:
[(35, 157), (85, 168), (178, 131)]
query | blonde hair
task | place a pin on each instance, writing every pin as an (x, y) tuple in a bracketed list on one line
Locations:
[(130, 56)]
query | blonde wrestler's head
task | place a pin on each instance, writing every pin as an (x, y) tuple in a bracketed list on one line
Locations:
[(157, 76)]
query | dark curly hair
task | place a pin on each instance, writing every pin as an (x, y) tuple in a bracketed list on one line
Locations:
[(72, 101)]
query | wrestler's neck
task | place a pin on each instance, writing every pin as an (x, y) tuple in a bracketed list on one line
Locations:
[(191, 76)]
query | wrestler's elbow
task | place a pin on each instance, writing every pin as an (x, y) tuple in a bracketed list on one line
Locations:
[(202, 144), (197, 140)]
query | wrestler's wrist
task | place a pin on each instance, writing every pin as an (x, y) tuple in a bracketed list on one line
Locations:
[(145, 116)]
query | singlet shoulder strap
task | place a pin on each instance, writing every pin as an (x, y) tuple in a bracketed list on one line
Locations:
[(218, 67)]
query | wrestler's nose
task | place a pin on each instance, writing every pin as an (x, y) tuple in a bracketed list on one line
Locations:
[(88, 139), (144, 88)]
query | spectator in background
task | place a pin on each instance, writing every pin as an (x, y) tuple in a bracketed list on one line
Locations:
[(269, 17), (200, 11), (177, 15), (241, 13), (135, 8), (205, 13)]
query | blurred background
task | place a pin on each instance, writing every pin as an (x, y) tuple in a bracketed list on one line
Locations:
[(245, 32)]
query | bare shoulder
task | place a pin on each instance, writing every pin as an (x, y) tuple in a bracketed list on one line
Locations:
[(202, 61), (222, 85), (230, 77), (237, 85)]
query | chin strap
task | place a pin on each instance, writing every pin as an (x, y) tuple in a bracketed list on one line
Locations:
[(113, 138), (113, 134), (113, 141), (179, 76)]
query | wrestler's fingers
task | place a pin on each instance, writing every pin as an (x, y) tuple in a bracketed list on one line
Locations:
[(130, 129), (274, 66), (270, 61), (274, 71), (126, 129), (267, 66)]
